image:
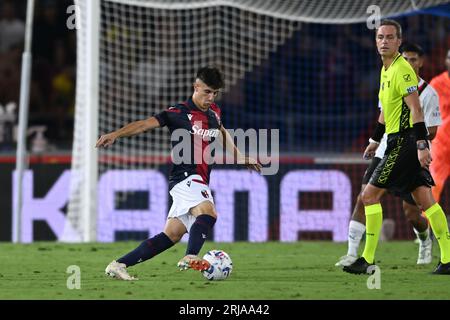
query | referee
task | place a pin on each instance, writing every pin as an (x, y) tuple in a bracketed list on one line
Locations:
[(404, 167)]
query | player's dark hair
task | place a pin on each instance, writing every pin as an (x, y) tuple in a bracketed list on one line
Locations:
[(389, 22), (412, 47), (211, 76)]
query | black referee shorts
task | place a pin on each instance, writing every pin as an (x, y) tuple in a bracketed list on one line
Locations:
[(369, 171), (399, 171)]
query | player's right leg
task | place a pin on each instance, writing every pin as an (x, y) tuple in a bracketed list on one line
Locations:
[(439, 225), (420, 226), (193, 204), (149, 248), (356, 230)]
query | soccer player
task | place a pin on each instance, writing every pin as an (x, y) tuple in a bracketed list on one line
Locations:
[(440, 167), (193, 208), (404, 167), (429, 101)]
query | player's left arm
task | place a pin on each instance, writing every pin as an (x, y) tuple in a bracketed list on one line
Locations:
[(431, 112), (228, 142), (432, 132)]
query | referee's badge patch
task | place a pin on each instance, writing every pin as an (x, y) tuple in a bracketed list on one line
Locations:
[(407, 77), (411, 89)]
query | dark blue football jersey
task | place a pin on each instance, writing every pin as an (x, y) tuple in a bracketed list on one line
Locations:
[(203, 128)]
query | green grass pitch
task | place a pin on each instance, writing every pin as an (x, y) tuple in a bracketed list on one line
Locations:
[(273, 270)]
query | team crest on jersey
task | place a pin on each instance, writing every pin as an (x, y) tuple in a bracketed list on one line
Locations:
[(205, 194), (407, 77)]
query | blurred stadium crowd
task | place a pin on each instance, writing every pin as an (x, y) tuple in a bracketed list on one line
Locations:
[(324, 73), (52, 92)]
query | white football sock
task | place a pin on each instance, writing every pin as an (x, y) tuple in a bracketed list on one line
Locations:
[(422, 236), (355, 233)]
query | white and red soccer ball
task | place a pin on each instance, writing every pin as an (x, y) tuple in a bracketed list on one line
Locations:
[(221, 265)]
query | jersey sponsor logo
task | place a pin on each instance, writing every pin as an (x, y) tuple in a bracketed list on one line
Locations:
[(189, 116), (411, 89), (407, 77), (205, 133)]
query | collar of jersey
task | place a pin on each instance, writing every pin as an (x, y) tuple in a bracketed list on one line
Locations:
[(421, 82), (191, 105), (393, 61)]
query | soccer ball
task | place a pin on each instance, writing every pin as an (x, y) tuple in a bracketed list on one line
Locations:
[(221, 265)]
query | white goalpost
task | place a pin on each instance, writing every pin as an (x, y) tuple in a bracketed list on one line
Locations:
[(137, 57), (23, 124)]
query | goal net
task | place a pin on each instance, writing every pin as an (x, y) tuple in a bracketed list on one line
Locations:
[(307, 68)]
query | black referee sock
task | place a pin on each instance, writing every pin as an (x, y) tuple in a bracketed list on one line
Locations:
[(147, 249), (199, 232)]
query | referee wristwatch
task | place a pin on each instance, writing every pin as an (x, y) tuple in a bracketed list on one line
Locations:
[(422, 145)]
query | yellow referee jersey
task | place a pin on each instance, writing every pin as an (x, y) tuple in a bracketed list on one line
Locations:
[(398, 81)]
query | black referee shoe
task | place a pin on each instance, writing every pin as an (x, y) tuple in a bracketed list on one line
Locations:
[(442, 268), (360, 266)]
